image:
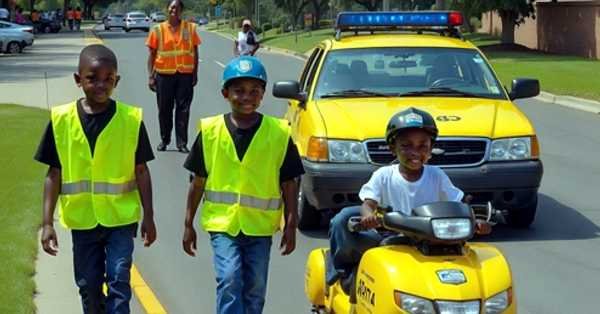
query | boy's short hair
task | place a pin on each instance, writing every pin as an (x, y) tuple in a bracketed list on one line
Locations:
[(99, 53)]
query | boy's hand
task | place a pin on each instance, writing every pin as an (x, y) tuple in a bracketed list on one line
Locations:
[(288, 240), (189, 241), (152, 83), (482, 227), (49, 240), (148, 232), (370, 221)]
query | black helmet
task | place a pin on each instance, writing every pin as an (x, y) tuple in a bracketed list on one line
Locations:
[(411, 118)]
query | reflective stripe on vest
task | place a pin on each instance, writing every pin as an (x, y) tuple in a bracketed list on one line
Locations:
[(243, 195), (244, 200), (176, 57), (99, 189)]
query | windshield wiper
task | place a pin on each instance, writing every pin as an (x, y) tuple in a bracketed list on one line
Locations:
[(354, 93), (447, 91)]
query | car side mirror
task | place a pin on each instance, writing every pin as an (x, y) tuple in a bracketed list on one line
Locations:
[(289, 90), (524, 88)]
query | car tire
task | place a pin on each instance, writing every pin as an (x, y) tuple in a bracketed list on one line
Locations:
[(14, 47), (309, 218), (522, 217)]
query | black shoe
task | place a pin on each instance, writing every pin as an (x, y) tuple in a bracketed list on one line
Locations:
[(183, 149), (161, 147)]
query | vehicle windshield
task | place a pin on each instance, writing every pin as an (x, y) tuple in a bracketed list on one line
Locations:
[(117, 15), (137, 16), (376, 72)]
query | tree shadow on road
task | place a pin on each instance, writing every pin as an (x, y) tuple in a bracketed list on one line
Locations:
[(554, 221)]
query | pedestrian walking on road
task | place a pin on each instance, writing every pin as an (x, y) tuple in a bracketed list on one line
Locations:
[(245, 166), (77, 18), (246, 43), (97, 149), (70, 17), (173, 73)]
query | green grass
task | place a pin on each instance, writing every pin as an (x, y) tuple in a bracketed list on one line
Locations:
[(20, 210), (302, 42), (480, 39)]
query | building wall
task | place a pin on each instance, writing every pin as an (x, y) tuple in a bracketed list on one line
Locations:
[(566, 27)]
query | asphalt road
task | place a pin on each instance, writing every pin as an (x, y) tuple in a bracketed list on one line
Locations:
[(554, 263)]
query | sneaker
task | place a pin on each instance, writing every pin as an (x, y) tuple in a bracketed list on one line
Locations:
[(161, 147), (183, 149)]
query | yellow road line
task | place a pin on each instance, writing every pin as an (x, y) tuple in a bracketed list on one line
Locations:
[(90, 38), (144, 294)]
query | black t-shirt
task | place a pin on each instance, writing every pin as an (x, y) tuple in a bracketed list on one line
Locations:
[(290, 169), (92, 125)]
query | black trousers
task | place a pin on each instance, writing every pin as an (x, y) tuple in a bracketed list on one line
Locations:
[(174, 91)]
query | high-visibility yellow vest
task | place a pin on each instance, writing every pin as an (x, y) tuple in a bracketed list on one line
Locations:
[(243, 196), (99, 189), (174, 56)]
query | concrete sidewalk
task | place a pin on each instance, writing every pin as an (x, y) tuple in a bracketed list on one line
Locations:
[(42, 77)]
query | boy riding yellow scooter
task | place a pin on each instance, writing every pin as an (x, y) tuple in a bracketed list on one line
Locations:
[(430, 268)]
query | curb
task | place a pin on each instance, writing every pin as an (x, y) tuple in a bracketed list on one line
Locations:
[(571, 102)]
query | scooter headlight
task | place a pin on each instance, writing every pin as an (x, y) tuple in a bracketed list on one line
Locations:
[(452, 228), (498, 303), (413, 304)]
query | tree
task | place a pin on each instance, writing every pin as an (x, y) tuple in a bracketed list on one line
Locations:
[(469, 9), (512, 13), (370, 5), (293, 8), (318, 7)]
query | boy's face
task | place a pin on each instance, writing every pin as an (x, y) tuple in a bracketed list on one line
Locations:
[(412, 148), (97, 78), (244, 95)]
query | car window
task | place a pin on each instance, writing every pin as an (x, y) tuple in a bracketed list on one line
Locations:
[(401, 70), (307, 67), (311, 75), (137, 16), (117, 16)]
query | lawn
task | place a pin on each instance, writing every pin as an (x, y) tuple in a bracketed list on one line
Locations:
[(20, 210)]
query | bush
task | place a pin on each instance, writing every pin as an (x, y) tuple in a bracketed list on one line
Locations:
[(266, 27), (258, 30), (276, 24), (326, 23)]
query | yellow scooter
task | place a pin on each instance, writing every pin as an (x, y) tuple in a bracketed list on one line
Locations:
[(427, 268)]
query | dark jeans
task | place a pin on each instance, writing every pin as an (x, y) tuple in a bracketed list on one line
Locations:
[(103, 255), (346, 248), (241, 266), (174, 91)]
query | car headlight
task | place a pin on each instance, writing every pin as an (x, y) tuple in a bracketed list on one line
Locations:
[(498, 303), (450, 307), (346, 151), (451, 228), (413, 304), (517, 148)]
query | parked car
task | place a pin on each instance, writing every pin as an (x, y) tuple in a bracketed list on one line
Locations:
[(158, 17), (14, 42), (114, 20), (201, 20), (47, 25), (137, 20)]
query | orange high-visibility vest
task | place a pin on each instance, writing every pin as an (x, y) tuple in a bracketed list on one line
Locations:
[(70, 15), (78, 15), (175, 53)]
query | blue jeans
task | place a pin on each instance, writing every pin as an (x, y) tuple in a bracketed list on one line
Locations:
[(346, 248), (241, 266), (102, 255)]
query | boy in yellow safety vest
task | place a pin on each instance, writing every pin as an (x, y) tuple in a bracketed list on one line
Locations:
[(96, 149), (246, 167)]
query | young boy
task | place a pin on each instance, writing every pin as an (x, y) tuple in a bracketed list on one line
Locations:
[(244, 164), (96, 149), (404, 186)]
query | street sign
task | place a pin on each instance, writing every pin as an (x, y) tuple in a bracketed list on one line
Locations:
[(218, 11)]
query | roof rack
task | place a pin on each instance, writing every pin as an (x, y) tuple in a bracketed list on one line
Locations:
[(443, 22)]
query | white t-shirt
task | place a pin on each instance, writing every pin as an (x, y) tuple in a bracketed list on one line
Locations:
[(389, 189), (243, 47)]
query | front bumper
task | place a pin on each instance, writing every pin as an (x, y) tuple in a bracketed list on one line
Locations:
[(511, 184)]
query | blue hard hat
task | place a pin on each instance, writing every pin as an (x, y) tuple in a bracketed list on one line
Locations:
[(244, 67)]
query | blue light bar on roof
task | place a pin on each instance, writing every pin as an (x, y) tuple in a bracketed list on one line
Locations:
[(359, 20)]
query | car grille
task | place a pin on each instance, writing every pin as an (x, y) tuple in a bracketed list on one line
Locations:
[(457, 152)]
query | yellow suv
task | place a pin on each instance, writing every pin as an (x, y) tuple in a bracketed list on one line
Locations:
[(382, 62)]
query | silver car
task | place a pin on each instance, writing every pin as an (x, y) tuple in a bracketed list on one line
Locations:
[(137, 20), (158, 17), (15, 42), (115, 20)]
